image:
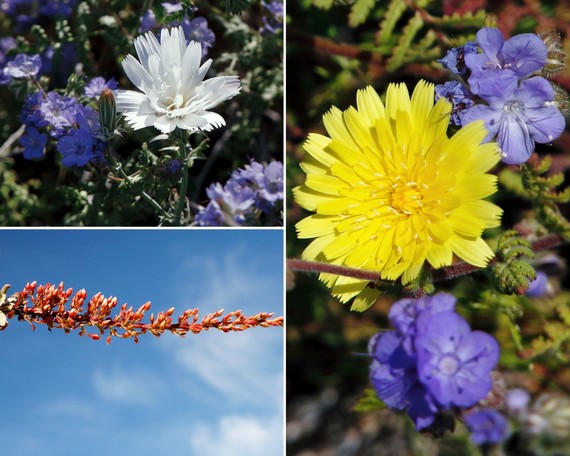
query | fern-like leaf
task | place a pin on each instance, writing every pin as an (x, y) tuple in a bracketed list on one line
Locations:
[(359, 12), (323, 4), (393, 14), (469, 19), (513, 271), (404, 43)]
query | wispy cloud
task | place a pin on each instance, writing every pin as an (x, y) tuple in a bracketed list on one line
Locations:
[(235, 279), (239, 436), (138, 387)]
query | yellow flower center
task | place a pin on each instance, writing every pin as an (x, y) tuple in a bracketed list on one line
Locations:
[(406, 198)]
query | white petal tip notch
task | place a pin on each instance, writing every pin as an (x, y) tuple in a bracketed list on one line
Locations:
[(173, 93)]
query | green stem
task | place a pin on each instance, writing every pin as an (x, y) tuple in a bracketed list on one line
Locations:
[(118, 166), (183, 149)]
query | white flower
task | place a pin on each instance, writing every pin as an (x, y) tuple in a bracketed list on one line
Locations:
[(174, 93)]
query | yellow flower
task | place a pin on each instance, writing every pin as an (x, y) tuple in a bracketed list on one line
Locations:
[(390, 190)]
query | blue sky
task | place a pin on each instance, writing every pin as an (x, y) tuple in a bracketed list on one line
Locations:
[(206, 394)]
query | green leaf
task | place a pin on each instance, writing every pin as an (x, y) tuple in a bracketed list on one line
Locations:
[(404, 43), (392, 16), (369, 402), (359, 12)]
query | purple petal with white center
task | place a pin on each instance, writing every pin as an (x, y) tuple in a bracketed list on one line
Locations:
[(514, 139)]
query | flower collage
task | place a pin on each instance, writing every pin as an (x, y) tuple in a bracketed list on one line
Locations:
[(306, 228)]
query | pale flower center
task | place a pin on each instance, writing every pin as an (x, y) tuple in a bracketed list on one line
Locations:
[(406, 198), (448, 364)]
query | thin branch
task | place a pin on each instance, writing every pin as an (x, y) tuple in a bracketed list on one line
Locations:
[(458, 269), (59, 308)]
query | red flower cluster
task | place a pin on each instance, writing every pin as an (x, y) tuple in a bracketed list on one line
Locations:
[(49, 306)]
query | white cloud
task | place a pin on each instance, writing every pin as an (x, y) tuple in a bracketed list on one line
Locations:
[(237, 435), (242, 368), (236, 280), (134, 387)]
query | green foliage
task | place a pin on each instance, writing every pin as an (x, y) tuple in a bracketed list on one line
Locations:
[(359, 12), (555, 340), (234, 7), (513, 270), (369, 402), (535, 184)]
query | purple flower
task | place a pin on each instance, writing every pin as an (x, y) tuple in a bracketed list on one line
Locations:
[(487, 426), (96, 86), (24, 66), (6, 44), (518, 114), (173, 167), (521, 56), (212, 215), (76, 148), (58, 112), (432, 361), (34, 143), (455, 363), (197, 30), (517, 401), (266, 180), (171, 8), (148, 22), (274, 22), (256, 186), (270, 187), (457, 95), (57, 8), (454, 60), (395, 379), (31, 115), (404, 314), (538, 287)]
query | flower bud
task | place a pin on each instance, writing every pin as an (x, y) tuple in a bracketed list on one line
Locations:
[(107, 110), (555, 58)]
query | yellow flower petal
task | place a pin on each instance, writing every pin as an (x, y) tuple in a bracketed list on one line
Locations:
[(392, 191)]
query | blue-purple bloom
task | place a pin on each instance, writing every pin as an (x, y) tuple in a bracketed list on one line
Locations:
[(459, 97), (539, 286), (81, 145), (96, 86), (230, 203), (58, 112), (455, 363), (34, 143), (487, 426), (432, 361), (76, 147), (148, 22), (522, 55), (24, 66), (454, 60), (273, 22), (7, 43), (197, 30), (172, 7), (256, 187), (517, 401), (518, 113)]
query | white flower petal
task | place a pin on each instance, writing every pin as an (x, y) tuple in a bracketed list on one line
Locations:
[(193, 73), (175, 94), (146, 46)]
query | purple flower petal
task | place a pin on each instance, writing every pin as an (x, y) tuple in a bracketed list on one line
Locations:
[(524, 54)]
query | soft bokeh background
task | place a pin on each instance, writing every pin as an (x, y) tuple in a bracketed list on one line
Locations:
[(207, 394)]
